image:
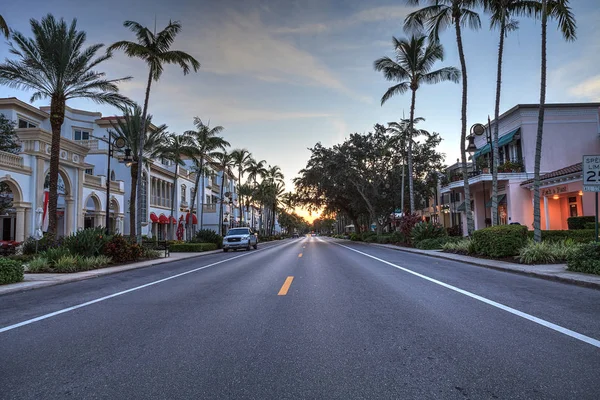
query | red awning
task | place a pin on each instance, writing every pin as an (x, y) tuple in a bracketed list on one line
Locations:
[(162, 219), (153, 217), (194, 218), (173, 220)]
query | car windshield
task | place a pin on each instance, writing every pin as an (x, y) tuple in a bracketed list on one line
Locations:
[(239, 231)]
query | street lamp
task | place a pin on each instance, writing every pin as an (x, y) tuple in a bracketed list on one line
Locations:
[(39, 222)]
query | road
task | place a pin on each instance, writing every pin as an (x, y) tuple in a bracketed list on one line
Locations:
[(308, 318)]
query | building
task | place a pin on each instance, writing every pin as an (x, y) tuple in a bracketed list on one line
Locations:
[(83, 179), (570, 132)]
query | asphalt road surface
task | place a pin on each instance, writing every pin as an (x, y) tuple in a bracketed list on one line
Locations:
[(308, 318)]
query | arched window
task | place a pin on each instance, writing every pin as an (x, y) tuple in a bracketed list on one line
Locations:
[(183, 196), (144, 197)]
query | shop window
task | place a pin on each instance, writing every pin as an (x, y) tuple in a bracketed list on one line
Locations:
[(573, 206), (81, 135), (26, 124)]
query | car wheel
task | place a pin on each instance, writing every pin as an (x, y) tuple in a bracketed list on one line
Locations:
[(225, 250), (255, 246)]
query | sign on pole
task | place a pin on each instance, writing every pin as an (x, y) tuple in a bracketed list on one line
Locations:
[(591, 173)]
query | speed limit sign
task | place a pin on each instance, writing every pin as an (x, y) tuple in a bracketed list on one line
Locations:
[(591, 173)]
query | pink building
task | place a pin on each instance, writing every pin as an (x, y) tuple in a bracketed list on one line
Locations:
[(570, 132)]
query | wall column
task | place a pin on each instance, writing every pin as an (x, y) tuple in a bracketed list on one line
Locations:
[(546, 214), (28, 222), (20, 227), (69, 217)]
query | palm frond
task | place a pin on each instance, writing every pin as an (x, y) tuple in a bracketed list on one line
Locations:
[(441, 75), (4, 27)]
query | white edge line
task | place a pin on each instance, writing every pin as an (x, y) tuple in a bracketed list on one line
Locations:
[(110, 296), (547, 324)]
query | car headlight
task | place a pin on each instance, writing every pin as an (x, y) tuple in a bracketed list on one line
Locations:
[(245, 237)]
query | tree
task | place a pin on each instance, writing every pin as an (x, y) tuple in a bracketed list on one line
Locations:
[(8, 137), (176, 147), (560, 11), (502, 12), (415, 59), (241, 159), (206, 144), (4, 27), (155, 49), (224, 163), (128, 127), (436, 17), (55, 65)]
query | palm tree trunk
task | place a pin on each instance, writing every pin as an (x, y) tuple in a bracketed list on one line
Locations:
[(173, 201), (132, 198), (141, 158), (240, 198), (537, 229), (202, 205), (57, 117), (402, 189), (221, 205), (495, 152), (463, 128), (411, 191)]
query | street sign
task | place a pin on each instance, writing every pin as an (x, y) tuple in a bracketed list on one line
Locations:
[(591, 173)]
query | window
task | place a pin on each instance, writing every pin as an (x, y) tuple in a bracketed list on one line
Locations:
[(183, 193), (89, 171), (81, 135), (572, 206), (26, 124)]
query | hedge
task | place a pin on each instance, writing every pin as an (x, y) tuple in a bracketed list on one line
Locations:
[(585, 259), (192, 247), (591, 225), (500, 241), (11, 271), (436, 243), (578, 235), (579, 222)]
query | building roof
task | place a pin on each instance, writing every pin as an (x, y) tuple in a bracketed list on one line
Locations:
[(571, 169)]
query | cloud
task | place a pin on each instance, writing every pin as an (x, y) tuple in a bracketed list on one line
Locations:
[(589, 89), (370, 15)]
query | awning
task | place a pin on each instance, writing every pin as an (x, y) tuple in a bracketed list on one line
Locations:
[(461, 208), (162, 219), (502, 141), (173, 220), (501, 200), (153, 217), (194, 218)]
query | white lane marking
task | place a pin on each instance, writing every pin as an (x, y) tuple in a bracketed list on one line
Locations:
[(89, 303), (547, 324)]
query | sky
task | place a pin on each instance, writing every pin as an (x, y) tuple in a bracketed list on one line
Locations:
[(282, 75)]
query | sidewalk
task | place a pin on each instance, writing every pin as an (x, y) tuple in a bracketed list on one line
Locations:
[(555, 272), (34, 281)]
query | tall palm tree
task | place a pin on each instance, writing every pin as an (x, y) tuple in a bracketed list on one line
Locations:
[(207, 143), (436, 17), (224, 163), (413, 66), (55, 65), (241, 159), (502, 13), (561, 12), (256, 169), (155, 49), (246, 192), (273, 174), (129, 127), (176, 147), (4, 27)]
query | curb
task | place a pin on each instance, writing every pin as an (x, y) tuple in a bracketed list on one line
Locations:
[(549, 277)]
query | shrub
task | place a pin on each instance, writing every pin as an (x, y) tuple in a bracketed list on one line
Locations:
[(23, 258), (101, 261), (192, 247), (85, 263), (398, 237), (462, 246), (500, 241), (368, 235), (590, 225), (67, 263), (427, 230), (454, 231), (436, 243), (47, 242), (585, 259), (87, 242), (384, 239), (54, 254), (11, 271), (578, 235), (579, 222), (38, 264), (121, 250), (356, 237), (8, 248), (209, 236), (407, 223), (151, 254)]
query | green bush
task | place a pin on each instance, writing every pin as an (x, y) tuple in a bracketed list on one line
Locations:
[(579, 222), (11, 271), (23, 258), (100, 261), (209, 236), (578, 235), (546, 252), (121, 250), (67, 263), (427, 230), (384, 239), (398, 237), (54, 254), (38, 264), (87, 242), (585, 259), (192, 247), (461, 246), (500, 241), (436, 243), (407, 223), (590, 225), (356, 237), (47, 242)]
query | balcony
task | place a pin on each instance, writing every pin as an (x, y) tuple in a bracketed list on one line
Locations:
[(13, 161), (91, 144), (209, 208), (93, 180)]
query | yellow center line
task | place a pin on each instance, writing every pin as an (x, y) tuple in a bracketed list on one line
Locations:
[(286, 286), (300, 255)]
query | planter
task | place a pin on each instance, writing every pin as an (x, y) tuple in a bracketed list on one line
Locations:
[(487, 170)]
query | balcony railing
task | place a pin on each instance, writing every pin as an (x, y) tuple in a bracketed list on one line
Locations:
[(209, 208), (92, 179), (12, 160), (508, 167), (91, 144)]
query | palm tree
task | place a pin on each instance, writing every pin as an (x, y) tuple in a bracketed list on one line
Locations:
[(246, 192), (155, 49), (560, 11), (129, 127), (502, 12), (256, 169), (224, 164), (176, 147), (206, 144), (4, 27), (273, 174), (241, 159), (412, 68), (437, 16), (55, 65)]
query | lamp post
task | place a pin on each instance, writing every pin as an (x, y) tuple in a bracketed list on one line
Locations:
[(38, 228)]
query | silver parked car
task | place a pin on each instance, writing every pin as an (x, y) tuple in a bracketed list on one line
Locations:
[(240, 238)]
